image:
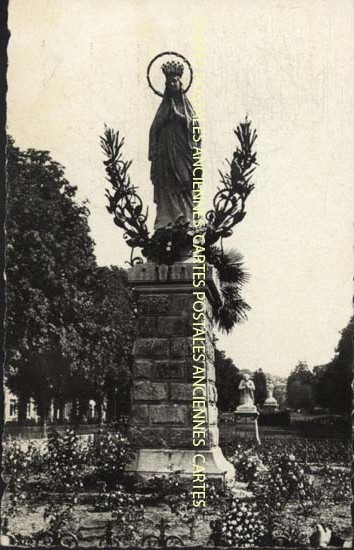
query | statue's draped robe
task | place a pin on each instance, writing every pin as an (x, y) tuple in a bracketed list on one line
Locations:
[(246, 388), (171, 155)]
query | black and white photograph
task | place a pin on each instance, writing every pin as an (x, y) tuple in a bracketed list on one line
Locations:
[(179, 327)]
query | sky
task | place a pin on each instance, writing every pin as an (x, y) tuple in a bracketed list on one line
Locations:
[(287, 64)]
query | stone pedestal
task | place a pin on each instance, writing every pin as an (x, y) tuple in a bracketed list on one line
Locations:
[(163, 373), (245, 417), (270, 405)]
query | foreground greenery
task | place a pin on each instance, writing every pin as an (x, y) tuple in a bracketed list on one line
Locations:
[(278, 496)]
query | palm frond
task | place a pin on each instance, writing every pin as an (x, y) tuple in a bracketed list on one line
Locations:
[(229, 265), (234, 309)]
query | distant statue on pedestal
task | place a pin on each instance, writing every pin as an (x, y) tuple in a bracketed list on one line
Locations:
[(270, 389), (171, 152), (246, 388), (270, 404), (246, 412)]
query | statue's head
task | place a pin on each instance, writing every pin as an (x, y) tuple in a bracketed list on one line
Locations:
[(173, 72), (246, 377), (173, 84)]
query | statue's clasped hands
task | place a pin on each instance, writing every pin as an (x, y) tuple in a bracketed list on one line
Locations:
[(174, 111)]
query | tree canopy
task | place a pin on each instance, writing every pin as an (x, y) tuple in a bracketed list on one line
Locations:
[(68, 323), (300, 388), (327, 386), (227, 381), (333, 381), (260, 383)]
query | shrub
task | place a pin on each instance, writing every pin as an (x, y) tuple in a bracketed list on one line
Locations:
[(241, 525), (36, 460), (65, 462), (119, 502), (276, 418), (216, 493), (337, 482), (332, 488), (317, 451), (124, 508), (248, 465), (110, 453), (16, 462), (164, 488), (285, 481), (57, 515)]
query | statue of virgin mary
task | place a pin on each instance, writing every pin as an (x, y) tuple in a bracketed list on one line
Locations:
[(171, 152)]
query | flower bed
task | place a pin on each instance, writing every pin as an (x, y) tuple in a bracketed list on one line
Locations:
[(31, 520), (309, 451), (281, 495)]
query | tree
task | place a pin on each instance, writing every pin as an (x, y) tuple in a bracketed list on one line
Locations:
[(300, 388), (227, 380), (260, 383), (333, 381), (105, 329), (280, 395), (49, 253), (69, 323)]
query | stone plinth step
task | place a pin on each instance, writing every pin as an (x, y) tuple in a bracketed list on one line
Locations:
[(149, 462)]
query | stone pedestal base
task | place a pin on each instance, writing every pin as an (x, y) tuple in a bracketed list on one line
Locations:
[(149, 462), (245, 417), (270, 407)]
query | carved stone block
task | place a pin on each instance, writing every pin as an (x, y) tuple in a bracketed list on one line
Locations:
[(181, 304), (142, 368), (151, 347), (210, 350), (213, 414), (211, 371), (213, 436), (165, 370), (212, 393), (181, 438), (153, 304), (149, 391), (147, 325), (169, 414), (181, 392), (182, 347), (173, 326), (151, 438), (140, 414)]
